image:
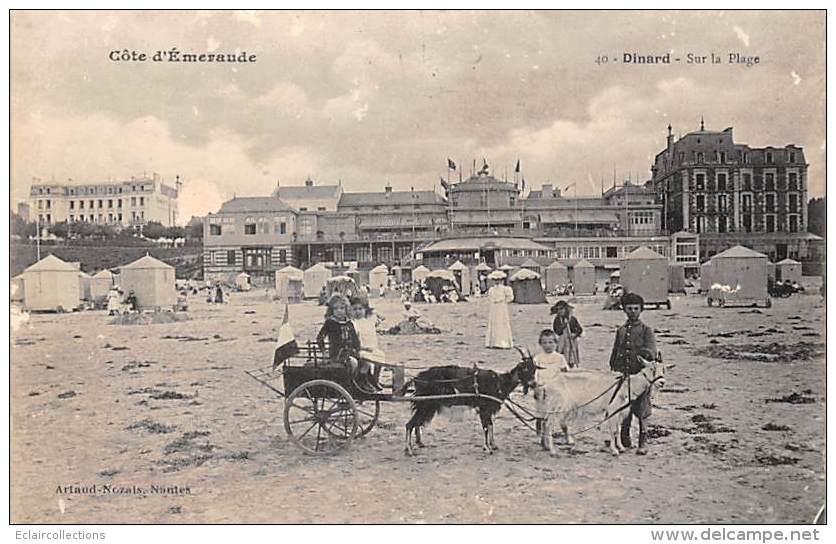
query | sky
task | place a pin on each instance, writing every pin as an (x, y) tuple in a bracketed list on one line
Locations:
[(377, 98)]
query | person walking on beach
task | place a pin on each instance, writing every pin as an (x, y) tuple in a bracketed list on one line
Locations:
[(568, 329), (499, 321)]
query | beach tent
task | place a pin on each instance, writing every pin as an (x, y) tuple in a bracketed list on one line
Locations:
[(556, 275), (527, 287), (583, 278), (739, 275), (314, 280), (343, 285), (51, 285), (420, 273), (242, 282), (152, 281), (289, 282), (437, 280), (399, 272), (84, 286), (788, 270), (532, 265), (16, 291), (100, 284), (705, 276), (676, 278), (378, 278), (462, 274), (645, 273)]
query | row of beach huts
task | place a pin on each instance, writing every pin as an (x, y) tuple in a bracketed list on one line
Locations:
[(52, 284)]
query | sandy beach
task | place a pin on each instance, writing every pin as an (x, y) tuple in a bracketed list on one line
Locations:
[(162, 423)]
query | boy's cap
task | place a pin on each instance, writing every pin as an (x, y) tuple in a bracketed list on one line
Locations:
[(632, 298)]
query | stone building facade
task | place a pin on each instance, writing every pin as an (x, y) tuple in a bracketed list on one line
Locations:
[(728, 192)]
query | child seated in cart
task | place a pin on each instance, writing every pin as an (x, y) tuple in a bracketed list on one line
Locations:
[(343, 342), (370, 356)]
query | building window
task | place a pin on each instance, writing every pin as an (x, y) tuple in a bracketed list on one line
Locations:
[(214, 230), (793, 203), (40, 204), (101, 204), (793, 223), (700, 203), (80, 204), (72, 204), (747, 223), (48, 204), (281, 228), (700, 157), (793, 181), (249, 226), (792, 158), (758, 184), (770, 223), (142, 201), (746, 203), (72, 218), (769, 157), (770, 182), (721, 182), (770, 203), (721, 204), (120, 217), (700, 182), (230, 256), (303, 209), (723, 156), (110, 203), (283, 255)]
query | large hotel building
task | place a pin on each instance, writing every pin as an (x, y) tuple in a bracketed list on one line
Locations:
[(706, 194), (122, 203)]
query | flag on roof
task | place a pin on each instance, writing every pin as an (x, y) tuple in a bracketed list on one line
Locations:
[(286, 345), (450, 164), (517, 169), (444, 184)]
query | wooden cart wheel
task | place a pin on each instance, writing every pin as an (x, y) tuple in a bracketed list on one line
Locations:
[(367, 414), (320, 417)]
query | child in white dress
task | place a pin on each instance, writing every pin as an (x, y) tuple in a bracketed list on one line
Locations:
[(549, 363), (365, 323)]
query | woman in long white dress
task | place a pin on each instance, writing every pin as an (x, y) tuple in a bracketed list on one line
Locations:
[(499, 321)]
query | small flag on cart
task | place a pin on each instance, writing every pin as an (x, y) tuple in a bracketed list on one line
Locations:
[(286, 345)]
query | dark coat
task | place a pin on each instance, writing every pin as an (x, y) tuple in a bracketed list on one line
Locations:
[(632, 340), (342, 340), (559, 326)]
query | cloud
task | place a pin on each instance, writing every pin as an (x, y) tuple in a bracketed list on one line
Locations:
[(377, 97), (211, 173), (741, 35)]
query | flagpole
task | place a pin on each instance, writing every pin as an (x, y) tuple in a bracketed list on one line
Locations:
[(38, 236)]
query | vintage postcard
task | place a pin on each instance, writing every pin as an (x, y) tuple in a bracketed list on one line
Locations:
[(538, 267)]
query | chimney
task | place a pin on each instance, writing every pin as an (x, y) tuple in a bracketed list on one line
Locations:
[(670, 137), (388, 190), (548, 190), (309, 182)]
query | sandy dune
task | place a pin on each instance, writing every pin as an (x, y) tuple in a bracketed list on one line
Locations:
[(738, 433)]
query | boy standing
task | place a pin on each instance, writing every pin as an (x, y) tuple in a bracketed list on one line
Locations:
[(634, 339)]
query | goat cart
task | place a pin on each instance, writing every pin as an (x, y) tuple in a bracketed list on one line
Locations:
[(324, 406)]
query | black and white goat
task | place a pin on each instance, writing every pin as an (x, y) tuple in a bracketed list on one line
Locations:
[(462, 384)]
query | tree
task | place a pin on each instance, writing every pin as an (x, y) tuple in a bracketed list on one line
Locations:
[(20, 227), (61, 230), (817, 216), (154, 230)]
